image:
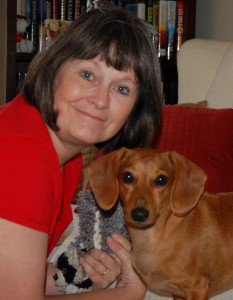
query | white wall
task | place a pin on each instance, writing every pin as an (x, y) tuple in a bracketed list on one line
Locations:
[(214, 19)]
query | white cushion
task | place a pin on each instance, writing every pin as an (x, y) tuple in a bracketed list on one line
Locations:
[(205, 72)]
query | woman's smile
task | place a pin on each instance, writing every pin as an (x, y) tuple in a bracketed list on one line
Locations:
[(93, 101), (88, 115)]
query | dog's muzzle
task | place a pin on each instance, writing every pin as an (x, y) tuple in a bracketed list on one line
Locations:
[(139, 214)]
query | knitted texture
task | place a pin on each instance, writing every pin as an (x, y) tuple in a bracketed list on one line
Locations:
[(94, 226)]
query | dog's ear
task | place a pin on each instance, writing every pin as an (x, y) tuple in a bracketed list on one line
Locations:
[(188, 186), (102, 174)]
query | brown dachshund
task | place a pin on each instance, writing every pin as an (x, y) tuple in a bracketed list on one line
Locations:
[(182, 237)]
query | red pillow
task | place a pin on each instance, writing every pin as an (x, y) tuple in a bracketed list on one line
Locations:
[(203, 135)]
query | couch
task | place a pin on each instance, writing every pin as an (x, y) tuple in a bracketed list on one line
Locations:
[(201, 125)]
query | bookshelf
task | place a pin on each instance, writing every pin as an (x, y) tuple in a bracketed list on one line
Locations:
[(18, 62)]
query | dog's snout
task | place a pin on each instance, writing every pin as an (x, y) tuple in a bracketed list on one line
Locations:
[(140, 214)]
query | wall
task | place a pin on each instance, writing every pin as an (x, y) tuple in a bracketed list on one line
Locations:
[(3, 51), (214, 19)]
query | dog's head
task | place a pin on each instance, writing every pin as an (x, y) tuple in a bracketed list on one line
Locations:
[(147, 182)]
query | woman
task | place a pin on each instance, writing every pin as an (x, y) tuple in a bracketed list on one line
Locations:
[(96, 84)]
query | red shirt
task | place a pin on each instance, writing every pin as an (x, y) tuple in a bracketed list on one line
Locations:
[(33, 190)]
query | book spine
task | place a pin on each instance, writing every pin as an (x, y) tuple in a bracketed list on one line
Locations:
[(77, 9), (55, 9), (171, 29), (62, 8), (180, 24), (156, 15), (141, 10), (138, 9), (162, 42), (23, 8), (70, 10), (34, 32), (49, 9), (28, 10), (42, 17), (149, 11), (19, 7)]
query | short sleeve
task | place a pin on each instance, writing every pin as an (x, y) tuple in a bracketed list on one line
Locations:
[(30, 182)]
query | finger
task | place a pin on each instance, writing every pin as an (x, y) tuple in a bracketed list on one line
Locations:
[(102, 280), (122, 240), (94, 264), (100, 275), (108, 261), (120, 246)]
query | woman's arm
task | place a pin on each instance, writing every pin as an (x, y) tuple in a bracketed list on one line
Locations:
[(23, 253)]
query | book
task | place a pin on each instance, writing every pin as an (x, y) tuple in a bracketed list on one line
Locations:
[(156, 15), (149, 11), (49, 9), (141, 10), (180, 23), (70, 9), (171, 29), (138, 9), (28, 10), (21, 8), (55, 10), (62, 9), (34, 24), (77, 9), (162, 33), (42, 16)]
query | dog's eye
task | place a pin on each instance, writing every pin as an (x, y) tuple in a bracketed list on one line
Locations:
[(161, 180), (127, 177)]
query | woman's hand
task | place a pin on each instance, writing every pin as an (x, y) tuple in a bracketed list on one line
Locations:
[(102, 268), (129, 280)]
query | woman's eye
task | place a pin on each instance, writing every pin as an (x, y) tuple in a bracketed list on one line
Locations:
[(161, 180), (87, 75), (127, 177), (123, 90)]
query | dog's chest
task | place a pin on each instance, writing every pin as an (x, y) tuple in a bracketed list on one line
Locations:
[(154, 275)]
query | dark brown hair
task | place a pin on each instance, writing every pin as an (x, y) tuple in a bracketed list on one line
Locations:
[(95, 33)]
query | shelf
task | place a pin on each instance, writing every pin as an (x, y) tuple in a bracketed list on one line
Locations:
[(25, 57), (19, 62)]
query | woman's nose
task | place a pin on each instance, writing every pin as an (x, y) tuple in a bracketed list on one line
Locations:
[(100, 97)]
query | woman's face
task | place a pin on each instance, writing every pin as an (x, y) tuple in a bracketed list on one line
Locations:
[(93, 101)]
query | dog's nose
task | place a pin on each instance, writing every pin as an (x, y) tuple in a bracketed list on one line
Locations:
[(139, 214)]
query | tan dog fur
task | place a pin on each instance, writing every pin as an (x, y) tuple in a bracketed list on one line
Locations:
[(184, 247)]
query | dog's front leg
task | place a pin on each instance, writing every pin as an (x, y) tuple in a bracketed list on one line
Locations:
[(193, 297), (194, 289), (201, 290)]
